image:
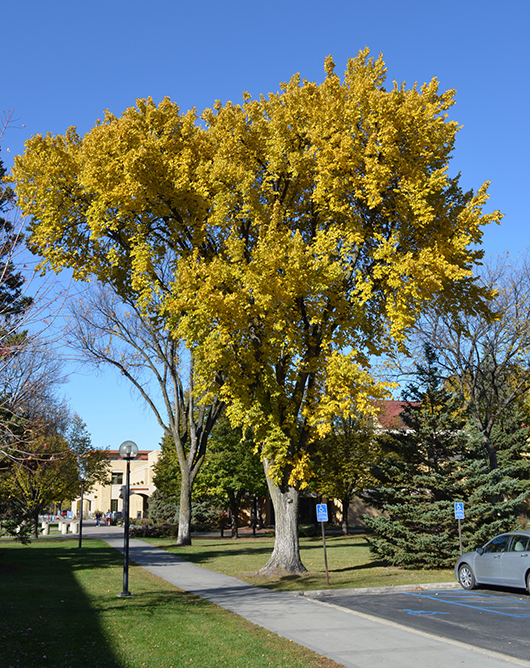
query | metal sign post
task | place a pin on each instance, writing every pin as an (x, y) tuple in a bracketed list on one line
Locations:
[(459, 515), (322, 516)]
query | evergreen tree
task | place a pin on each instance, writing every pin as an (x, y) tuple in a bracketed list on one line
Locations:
[(13, 303), (439, 458), (167, 476), (419, 476), (496, 499), (163, 510)]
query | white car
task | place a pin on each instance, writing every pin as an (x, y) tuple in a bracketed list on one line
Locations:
[(504, 561)]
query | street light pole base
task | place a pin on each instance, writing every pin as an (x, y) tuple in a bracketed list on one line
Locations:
[(125, 594)]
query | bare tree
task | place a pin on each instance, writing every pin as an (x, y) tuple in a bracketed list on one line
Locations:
[(108, 330), (29, 378), (487, 359)]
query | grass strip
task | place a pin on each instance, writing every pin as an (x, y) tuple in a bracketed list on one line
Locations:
[(350, 563), (60, 608)]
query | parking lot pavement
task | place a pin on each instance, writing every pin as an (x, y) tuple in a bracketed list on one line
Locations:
[(488, 618)]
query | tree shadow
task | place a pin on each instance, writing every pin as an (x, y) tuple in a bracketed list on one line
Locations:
[(47, 620), (207, 555), (361, 567), (247, 546)]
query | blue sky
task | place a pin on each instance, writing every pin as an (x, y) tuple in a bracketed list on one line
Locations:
[(66, 62)]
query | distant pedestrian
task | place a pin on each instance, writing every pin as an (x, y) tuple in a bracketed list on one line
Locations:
[(98, 519), (108, 517)]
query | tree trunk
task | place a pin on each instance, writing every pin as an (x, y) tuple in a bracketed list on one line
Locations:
[(234, 513), (256, 520), (345, 507), (184, 531), (199, 428), (286, 554), (259, 515), (490, 449)]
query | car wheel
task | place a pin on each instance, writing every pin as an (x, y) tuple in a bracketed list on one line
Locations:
[(466, 577), (528, 582)]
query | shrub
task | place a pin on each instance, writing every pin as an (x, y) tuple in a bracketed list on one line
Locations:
[(204, 516), (162, 509), (153, 531)]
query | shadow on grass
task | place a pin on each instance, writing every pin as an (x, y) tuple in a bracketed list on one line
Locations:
[(213, 548), (360, 567), (304, 581), (206, 555), (158, 603), (47, 620)]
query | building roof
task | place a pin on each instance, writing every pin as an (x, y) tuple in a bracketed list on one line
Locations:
[(390, 410), (143, 455)]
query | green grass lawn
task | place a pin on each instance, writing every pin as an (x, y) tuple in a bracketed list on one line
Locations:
[(59, 608), (350, 563)]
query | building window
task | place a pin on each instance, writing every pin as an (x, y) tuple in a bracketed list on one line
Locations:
[(114, 505), (117, 479)]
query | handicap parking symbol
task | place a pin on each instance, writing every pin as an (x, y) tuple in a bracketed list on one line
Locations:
[(459, 510)]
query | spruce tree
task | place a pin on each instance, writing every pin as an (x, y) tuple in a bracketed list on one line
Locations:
[(437, 459), (13, 302), (496, 499), (419, 476)]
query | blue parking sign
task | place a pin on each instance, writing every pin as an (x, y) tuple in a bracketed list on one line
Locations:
[(322, 512), (459, 510)]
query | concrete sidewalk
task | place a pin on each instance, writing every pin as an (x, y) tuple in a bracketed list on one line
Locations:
[(352, 639)]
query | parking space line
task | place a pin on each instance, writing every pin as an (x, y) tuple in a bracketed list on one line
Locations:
[(482, 602)]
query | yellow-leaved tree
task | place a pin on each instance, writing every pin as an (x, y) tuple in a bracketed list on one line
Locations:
[(303, 231)]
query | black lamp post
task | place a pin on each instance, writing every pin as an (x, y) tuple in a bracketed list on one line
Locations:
[(82, 480), (128, 451)]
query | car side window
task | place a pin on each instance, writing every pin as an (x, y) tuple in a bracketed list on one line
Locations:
[(498, 544), (518, 544)]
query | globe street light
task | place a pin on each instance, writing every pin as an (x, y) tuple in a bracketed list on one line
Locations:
[(128, 450), (82, 480)]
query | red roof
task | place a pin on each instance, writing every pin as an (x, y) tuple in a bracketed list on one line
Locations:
[(390, 410), (143, 455)]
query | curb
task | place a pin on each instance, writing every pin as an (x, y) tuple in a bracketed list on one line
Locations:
[(321, 593)]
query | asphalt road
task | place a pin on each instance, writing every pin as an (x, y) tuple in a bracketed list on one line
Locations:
[(488, 618)]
